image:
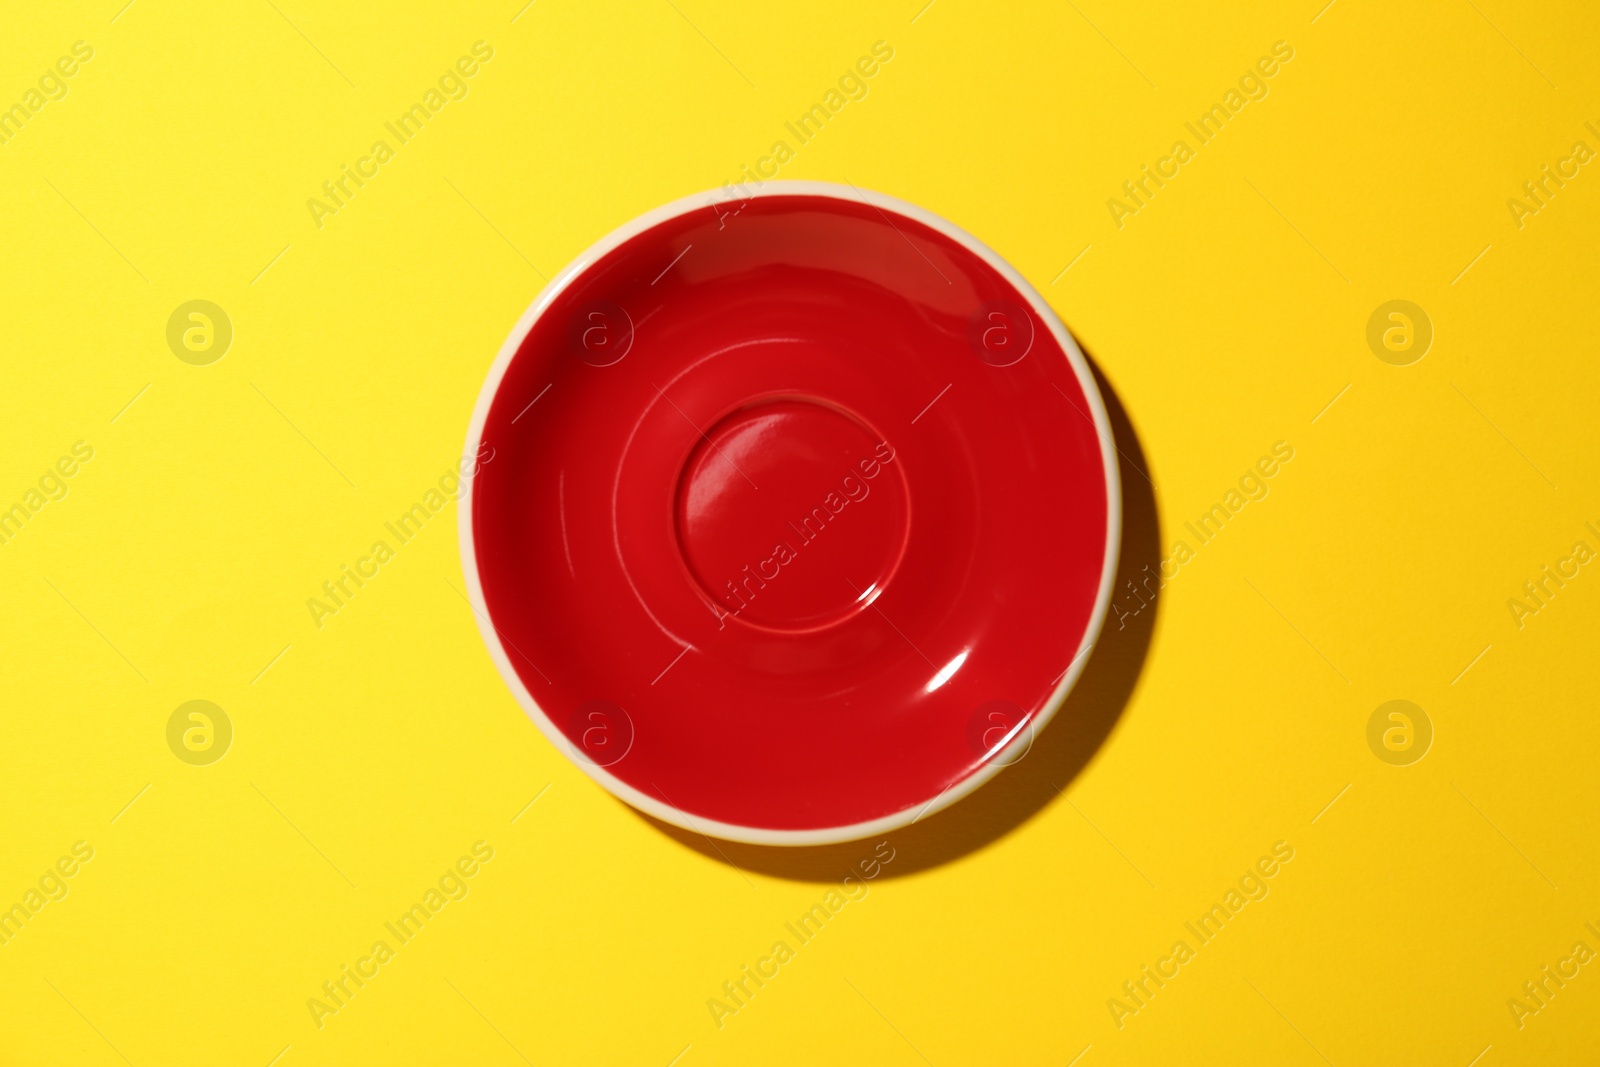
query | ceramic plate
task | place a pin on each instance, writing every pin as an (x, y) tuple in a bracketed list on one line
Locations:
[(802, 513)]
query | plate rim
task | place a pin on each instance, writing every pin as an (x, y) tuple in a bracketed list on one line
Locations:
[(734, 831)]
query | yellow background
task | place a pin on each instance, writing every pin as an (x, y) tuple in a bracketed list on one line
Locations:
[(1226, 315)]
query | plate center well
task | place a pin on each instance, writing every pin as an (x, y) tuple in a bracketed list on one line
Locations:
[(792, 514)]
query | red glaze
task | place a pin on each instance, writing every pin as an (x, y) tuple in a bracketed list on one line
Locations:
[(771, 488)]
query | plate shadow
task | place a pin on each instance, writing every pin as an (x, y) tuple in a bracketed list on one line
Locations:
[(1061, 750)]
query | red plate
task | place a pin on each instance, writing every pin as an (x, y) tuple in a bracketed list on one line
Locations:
[(801, 514)]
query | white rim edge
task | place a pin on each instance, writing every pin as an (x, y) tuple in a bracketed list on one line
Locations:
[(997, 761)]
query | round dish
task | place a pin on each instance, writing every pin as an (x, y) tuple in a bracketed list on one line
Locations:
[(801, 516)]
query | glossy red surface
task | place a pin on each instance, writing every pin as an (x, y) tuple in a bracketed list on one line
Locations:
[(801, 495)]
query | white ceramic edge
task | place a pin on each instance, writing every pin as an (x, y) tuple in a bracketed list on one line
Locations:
[(832, 834)]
